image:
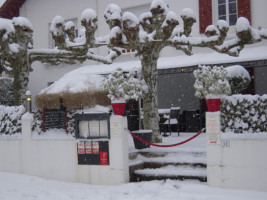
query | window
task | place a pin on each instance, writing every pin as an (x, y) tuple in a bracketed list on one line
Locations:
[(92, 125), (227, 10)]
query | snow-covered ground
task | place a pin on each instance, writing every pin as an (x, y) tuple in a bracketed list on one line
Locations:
[(22, 187)]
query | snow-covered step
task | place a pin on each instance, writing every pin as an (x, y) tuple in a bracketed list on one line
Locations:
[(178, 159), (172, 172)]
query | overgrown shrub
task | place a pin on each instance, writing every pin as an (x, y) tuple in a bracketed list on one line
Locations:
[(10, 119), (244, 113)]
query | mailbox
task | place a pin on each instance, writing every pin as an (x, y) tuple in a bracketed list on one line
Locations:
[(92, 132)]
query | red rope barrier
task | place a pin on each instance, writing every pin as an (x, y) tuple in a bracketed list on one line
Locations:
[(167, 145)]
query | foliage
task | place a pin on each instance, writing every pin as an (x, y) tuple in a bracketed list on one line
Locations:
[(37, 125), (10, 119), (211, 82), (6, 91), (244, 113), (239, 78), (123, 86)]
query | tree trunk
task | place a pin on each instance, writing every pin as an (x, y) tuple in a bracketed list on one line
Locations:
[(149, 60)]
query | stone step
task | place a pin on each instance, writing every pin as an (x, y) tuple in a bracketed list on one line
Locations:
[(171, 172)]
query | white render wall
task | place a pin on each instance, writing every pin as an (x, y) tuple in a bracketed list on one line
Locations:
[(241, 164), (57, 159)]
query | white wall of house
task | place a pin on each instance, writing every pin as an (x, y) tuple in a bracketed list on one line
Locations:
[(41, 14)]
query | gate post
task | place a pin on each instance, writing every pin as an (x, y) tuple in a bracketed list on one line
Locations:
[(119, 158)]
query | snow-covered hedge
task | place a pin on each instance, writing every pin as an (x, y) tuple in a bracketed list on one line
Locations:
[(244, 113), (10, 119)]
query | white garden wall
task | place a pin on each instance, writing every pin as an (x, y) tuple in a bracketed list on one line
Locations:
[(236, 161), (57, 159)]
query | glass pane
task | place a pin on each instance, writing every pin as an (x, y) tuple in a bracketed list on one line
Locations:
[(103, 128), (83, 129), (232, 19), (232, 8), (222, 10), (230, 1), (94, 128), (222, 17), (221, 1)]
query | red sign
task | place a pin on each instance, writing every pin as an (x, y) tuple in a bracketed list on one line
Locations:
[(88, 147), (103, 158), (95, 147), (81, 149)]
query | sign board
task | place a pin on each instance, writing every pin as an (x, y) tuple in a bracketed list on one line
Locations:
[(213, 128), (93, 152), (54, 118)]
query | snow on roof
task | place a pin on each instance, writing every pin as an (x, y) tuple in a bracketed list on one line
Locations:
[(85, 77), (73, 82)]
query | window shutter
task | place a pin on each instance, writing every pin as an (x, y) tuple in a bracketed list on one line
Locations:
[(244, 9), (205, 14)]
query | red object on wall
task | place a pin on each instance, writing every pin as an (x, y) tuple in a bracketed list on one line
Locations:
[(244, 9), (205, 14), (103, 158), (213, 105)]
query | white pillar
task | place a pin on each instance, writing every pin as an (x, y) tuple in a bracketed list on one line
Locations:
[(26, 122), (118, 171), (214, 150)]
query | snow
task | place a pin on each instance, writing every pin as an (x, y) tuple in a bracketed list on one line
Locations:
[(85, 77), (77, 82), (188, 13), (27, 116), (6, 24), (242, 24), (52, 134), (57, 20), (237, 71), (160, 4), (112, 11), (22, 21), (19, 186), (222, 24), (69, 25), (132, 19), (88, 14), (23, 187)]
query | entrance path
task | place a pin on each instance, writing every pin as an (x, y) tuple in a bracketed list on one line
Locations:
[(183, 162)]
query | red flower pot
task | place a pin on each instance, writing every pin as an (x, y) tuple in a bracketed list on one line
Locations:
[(118, 108), (213, 105)]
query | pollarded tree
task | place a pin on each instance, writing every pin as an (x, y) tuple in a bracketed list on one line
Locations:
[(159, 28), (149, 34)]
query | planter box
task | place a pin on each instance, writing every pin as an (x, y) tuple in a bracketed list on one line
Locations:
[(118, 108), (213, 105)]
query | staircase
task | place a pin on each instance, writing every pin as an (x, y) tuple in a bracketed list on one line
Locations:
[(180, 165)]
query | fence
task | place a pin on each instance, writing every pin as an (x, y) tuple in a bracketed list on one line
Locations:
[(58, 159), (235, 161)]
